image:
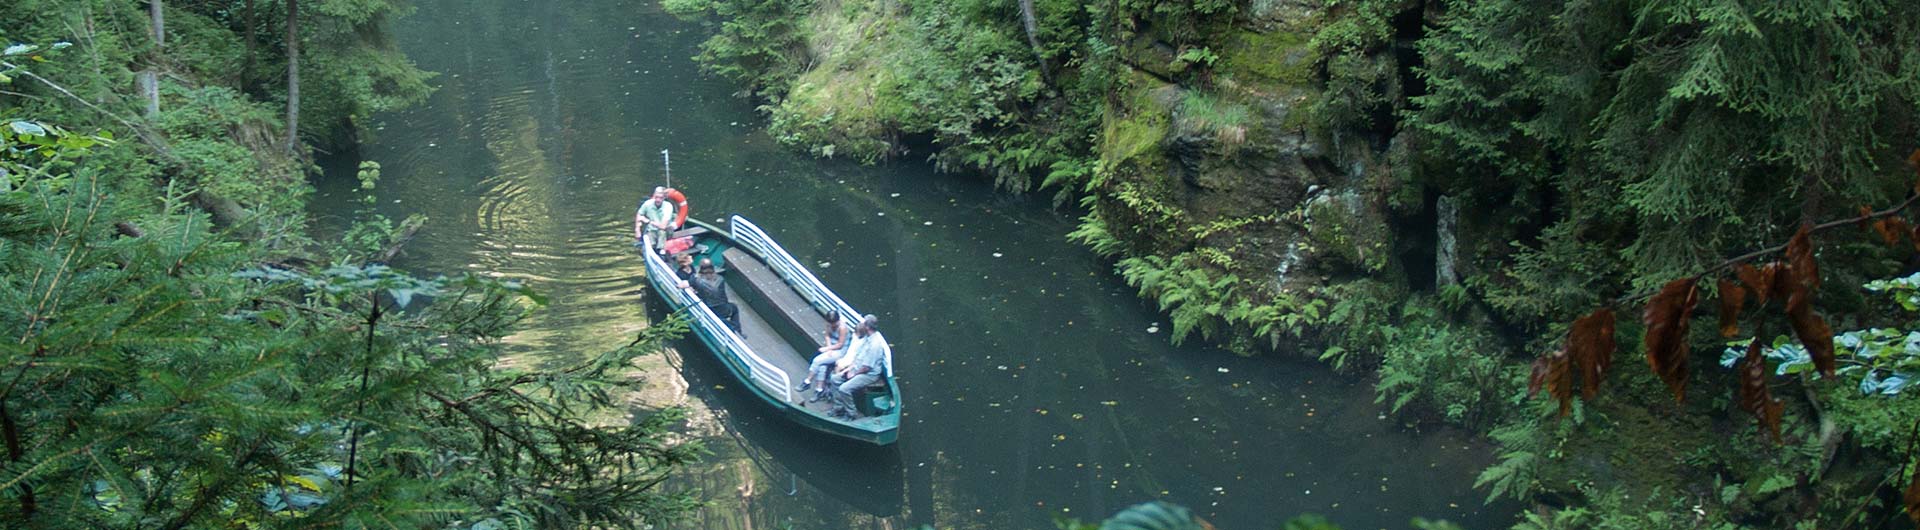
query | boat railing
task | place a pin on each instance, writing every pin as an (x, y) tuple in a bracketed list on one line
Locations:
[(749, 235), (731, 342)]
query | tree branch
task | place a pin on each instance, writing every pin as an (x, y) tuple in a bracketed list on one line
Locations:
[(1743, 258)]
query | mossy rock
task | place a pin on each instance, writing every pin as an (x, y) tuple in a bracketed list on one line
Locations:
[(1274, 57), (1342, 226)]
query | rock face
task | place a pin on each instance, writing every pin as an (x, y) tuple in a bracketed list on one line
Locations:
[(1238, 178), (1228, 152)]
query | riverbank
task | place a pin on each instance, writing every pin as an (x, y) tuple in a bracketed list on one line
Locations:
[(1407, 188)]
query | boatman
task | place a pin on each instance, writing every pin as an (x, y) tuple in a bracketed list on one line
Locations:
[(654, 218)]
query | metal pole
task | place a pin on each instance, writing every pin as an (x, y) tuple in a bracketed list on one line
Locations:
[(667, 159)]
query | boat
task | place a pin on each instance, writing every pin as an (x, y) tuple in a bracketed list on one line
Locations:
[(783, 310)]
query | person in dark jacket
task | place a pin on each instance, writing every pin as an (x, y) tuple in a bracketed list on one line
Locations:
[(713, 291)]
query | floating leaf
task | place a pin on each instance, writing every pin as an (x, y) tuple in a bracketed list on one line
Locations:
[(1552, 372), (1666, 339), (1815, 335), (1732, 297), (1759, 283), (1754, 395), (1590, 347)]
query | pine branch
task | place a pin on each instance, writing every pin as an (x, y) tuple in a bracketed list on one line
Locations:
[(360, 405), (15, 453)]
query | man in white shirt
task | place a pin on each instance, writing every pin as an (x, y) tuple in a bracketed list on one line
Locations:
[(864, 364)]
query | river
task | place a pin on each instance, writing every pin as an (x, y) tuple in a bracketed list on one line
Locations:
[(1037, 384)]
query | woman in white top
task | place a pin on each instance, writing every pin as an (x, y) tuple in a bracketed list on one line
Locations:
[(827, 357)]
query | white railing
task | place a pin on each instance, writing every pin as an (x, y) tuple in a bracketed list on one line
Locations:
[(748, 235), (703, 316)]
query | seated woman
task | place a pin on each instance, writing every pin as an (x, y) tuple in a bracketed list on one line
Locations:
[(865, 365), (823, 362)]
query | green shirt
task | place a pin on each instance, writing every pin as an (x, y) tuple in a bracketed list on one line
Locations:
[(656, 211)]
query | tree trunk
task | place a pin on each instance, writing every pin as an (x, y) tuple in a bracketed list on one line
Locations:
[(156, 10), (1028, 19), (293, 75), (1446, 242), (149, 80), (246, 67)]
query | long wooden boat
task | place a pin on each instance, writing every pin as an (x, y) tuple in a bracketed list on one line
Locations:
[(782, 316)]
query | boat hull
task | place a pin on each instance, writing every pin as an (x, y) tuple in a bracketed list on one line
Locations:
[(726, 348)]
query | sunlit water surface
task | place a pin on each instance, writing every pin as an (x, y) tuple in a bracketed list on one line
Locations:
[(1037, 384)]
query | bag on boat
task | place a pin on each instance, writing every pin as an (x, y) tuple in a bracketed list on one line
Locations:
[(678, 244)]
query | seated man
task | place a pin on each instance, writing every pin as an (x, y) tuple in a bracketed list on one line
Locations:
[(867, 364), (653, 220), (713, 291)]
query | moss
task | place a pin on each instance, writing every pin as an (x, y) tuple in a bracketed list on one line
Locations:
[(1343, 227), (1276, 56), (1136, 126), (835, 108)]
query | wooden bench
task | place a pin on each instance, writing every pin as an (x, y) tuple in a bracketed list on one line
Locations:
[(786, 304)]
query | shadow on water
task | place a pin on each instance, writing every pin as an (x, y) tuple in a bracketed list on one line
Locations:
[(865, 477)]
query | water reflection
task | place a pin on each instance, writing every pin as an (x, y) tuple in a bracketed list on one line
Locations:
[(1036, 384)]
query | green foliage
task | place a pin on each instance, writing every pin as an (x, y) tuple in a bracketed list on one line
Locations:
[(1226, 122), (372, 232), (1680, 132), (1878, 367), (759, 43), (162, 378), (1525, 445), (1193, 297), (347, 49), (1457, 372)]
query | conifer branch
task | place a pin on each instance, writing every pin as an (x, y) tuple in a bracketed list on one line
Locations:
[(1743, 258)]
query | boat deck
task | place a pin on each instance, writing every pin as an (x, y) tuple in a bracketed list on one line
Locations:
[(760, 333)]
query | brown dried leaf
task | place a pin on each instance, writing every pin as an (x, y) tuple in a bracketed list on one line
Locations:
[(1732, 297), (1590, 347), (1803, 273), (1551, 372), (1666, 340), (1815, 335), (1880, 228), (1912, 498), (1914, 159), (1779, 280), (1758, 283), (1754, 395), (1897, 228)]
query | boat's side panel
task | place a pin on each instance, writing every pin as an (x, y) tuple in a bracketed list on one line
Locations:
[(728, 346)]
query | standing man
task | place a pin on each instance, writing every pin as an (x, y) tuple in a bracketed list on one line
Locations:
[(868, 354), (655, 218)]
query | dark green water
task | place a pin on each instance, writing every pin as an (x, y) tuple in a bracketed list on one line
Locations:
[(1037, 384)]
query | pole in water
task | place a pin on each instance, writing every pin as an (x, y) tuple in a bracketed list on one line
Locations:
[(667, 160)]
